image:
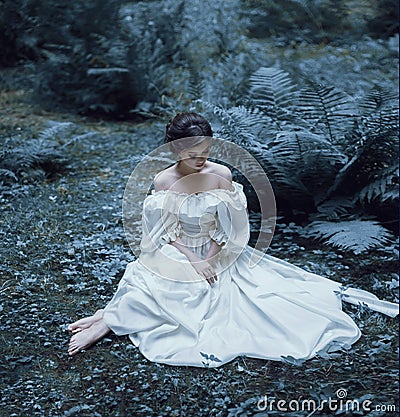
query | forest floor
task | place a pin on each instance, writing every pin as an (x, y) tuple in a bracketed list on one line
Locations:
[(63, 253)]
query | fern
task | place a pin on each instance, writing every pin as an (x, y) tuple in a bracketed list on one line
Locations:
[(379, 110), (377, 99), (327, 110), (334, 208), (237, 122), (36, 156), (385, 187), (54, 130), (273, 91), (373, 164), (232, 75), (6, 174), (197, 85), (300, 159), (322, 150), (355, 235)]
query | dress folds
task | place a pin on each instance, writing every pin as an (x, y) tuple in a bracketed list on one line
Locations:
[(270, 309)]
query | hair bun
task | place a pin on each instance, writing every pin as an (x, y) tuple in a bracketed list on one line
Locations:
[(185, 125)]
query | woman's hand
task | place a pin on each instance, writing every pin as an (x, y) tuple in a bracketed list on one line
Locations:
[(202, 266), (204, 269)]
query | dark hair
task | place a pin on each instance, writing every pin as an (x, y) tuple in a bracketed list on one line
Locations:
[(185, 125)]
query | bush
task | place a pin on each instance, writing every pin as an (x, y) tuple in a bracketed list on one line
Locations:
[(321, 21), (297, 20), (106, 57), (385, 23)]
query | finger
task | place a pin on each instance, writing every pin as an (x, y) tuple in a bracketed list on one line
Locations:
[(213, 275), (210, 272), (207, 278)]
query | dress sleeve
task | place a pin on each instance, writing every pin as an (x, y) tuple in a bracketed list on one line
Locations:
[(160, 224), (218, 235), (232, 230)]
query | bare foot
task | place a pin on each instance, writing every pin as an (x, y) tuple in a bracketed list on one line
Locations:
[(85, 323), (87, 337)]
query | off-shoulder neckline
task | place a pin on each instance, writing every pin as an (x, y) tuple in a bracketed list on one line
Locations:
[(212, 190)]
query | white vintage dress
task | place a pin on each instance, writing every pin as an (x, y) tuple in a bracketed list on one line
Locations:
[(271, 310)]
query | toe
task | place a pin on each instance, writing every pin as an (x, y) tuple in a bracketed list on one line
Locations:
[(71, 352), (72, 327)]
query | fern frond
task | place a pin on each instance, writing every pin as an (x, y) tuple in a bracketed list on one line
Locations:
[(17, 159), (375, 157), (327, 109), (252, 120), (380, 110), (377, 99), (355, 235), (33, 155), (302, 162), (333, 208), (381, 121), (197, 88), (273, 90), (239, 123), (230, 78), (54, 129), (384, 188), (307, 153)]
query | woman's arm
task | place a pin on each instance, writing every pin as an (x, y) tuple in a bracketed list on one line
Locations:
[(202, 266), (178, 244), (213, 250)]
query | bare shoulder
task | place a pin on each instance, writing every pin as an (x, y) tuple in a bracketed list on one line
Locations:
[(164, 179), (224, 174)]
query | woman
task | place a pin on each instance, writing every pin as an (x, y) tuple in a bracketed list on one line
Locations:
[(191, 297)]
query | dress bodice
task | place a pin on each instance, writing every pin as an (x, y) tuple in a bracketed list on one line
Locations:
[(196, 215), (218, 215)]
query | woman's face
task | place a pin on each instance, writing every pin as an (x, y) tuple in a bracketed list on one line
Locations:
[(196, 156)]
